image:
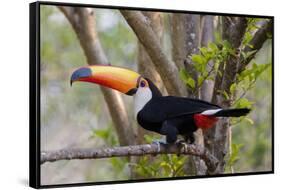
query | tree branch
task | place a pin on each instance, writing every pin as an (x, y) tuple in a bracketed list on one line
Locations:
[(125, 151), (83, 23), (256, 43), (166, 68)]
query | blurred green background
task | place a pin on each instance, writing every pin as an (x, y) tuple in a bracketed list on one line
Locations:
[(78, 117)]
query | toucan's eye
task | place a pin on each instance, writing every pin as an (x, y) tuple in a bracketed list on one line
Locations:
[(142, 83)]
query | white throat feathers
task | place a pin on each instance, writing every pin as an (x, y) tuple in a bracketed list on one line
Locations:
[(142, 96)]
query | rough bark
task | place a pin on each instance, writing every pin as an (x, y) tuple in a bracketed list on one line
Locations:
[(207, 37), (216, 139), (83, 23), (125, 151), (186, 37), (233, 31), (178, 36), (165, 67), (192, 47), (185, 42)]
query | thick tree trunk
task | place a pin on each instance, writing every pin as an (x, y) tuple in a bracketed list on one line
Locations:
[(217, 139), (186, 37), (185, 42), (206, 90)]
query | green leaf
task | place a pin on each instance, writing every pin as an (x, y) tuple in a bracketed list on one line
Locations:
[(199, 67), (227, 45), (250, 53), (191, 83), (247, 38), (101, 133), (166, 167), (213, 47), (200, 80), (198, 59), (204, 51), (234, 157), (184, 75), (249, 120), (187, 79), (232, 88), (259, 69), (105, 134), (218, 37), (243, 103), (148, 138), (226, 96)]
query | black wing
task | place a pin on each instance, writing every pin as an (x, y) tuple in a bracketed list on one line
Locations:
[(162, 108)]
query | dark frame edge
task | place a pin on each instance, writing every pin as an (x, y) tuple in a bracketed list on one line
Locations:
[(34, 139), (157, 179), (272, 100), (57, 3), (34, 118)]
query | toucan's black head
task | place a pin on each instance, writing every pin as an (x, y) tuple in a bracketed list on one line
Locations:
[(155, 91)]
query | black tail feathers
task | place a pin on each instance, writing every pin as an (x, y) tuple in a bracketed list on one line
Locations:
[(232, 112)]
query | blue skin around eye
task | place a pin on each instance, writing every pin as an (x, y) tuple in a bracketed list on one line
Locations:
[(142, 84)]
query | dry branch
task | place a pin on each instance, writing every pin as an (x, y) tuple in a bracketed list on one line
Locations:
[(125, 151), (83, 23), (166, 68)]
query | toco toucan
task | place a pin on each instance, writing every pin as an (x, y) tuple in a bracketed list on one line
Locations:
[(166, 115)]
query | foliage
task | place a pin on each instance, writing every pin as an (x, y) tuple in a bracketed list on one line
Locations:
[(106, 135), (161, 166), (207, 63), (233, 156)]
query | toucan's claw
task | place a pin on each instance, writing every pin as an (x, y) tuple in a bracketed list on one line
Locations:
[(159, 143), (182, 145)]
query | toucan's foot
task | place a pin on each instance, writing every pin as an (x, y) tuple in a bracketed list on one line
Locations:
[(182, 145), (159, 143), (189, 138)]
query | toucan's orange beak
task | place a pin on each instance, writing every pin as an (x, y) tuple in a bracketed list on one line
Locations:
[(121, 79)]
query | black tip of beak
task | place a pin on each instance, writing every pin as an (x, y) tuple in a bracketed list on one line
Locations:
[(80, 73), (132, 92)]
